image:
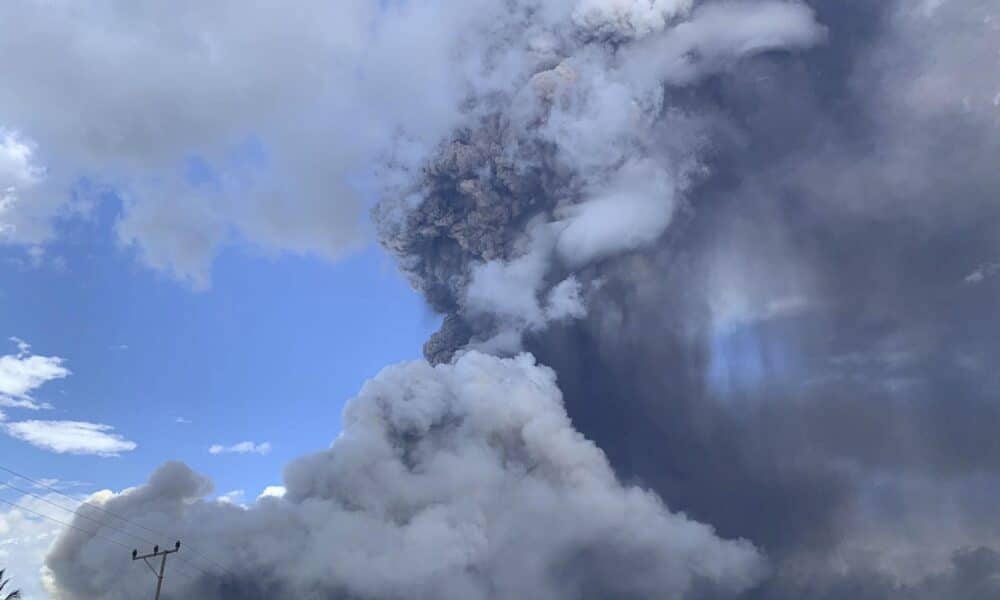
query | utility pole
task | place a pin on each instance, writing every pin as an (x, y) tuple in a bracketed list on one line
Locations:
[(163, 563)]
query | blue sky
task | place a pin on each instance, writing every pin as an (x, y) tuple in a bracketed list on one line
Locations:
[(184, 227), (269, 353)]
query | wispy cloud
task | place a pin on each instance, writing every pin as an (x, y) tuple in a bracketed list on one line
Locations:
[(982, 272), (58, 484), (20, 375), (735, 310), (71, 437), (23, 373), (182, 421), (241, 448)]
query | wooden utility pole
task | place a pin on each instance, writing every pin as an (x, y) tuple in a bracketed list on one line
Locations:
[(163, 563)]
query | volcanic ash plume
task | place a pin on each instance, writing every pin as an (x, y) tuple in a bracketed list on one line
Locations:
[(755, 240), (580, 159), (467, 479), (458, 481)]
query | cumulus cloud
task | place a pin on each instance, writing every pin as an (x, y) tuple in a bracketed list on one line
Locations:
[(235, 497), (23, 217), (23, 373), (70, 437), (223, 129), (241, 448), (273, 491), (455, 481), (25, 537)]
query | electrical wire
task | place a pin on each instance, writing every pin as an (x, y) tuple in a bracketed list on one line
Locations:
[(65, 524), (187, 545), (93, 534), (71, 510)]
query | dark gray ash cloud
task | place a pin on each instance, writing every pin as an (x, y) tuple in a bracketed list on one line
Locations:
[(739, 233), (801, 330)]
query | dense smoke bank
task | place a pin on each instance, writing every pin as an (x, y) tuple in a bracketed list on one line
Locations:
[(755, 244), (456, 481)]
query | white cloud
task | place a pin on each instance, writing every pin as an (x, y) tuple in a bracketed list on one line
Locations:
[(70, 437), (241, 448), (182, 421), (982, 272), (283, 106), (23, 218), (235, 497), (272, 491), (25, 538), (23, 373)]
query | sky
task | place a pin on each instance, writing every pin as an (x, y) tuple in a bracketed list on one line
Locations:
[(173, 371), (150, 357), (560, 299)]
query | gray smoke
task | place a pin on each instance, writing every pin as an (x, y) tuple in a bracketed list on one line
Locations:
[(795, 348), (754, 240), (456, 481), (580, 160)]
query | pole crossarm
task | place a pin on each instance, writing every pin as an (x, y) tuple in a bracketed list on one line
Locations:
[(163, 563), (154, 554)]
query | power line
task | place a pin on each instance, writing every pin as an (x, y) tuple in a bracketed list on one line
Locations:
[(97, 521), (71, 510), (94, 506), (65, 524), (93, 534), (112, 514)]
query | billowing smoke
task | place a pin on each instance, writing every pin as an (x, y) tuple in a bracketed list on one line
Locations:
[(456, 481), (582, 159), (754, 241)]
